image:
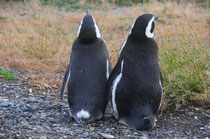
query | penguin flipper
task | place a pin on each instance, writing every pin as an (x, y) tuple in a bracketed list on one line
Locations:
[(115, 72), (65, 81)]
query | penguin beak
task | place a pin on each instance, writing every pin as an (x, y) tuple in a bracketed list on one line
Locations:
[(156, 17), (87, 12)]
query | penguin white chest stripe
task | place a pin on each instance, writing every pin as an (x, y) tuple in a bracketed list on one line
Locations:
[(126, 40), (122, 47), (107, 69), (161, 95), (79, 28), (96, 28), (114, 88), (148, 28), (132, 26)]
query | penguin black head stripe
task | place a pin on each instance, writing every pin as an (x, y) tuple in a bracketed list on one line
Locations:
[(143, 27), (88, 30)]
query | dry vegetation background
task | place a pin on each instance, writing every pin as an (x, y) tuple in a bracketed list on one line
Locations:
[(38, 39)]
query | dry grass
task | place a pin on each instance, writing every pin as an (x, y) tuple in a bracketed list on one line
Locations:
[(39, 39)]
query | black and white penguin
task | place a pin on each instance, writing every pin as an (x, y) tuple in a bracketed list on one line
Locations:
[(135, 84), (87, 73)]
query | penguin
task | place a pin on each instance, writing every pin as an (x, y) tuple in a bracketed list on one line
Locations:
[(135, 83), (87, 73)]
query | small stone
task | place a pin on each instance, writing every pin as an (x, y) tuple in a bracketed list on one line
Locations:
[(43, 137), (143, 137), (194, 137), (24, 124), (43, 115), (92, 128), (190, 113), (31, 100), (28, 107), (204, 132), (186, 110), (106, 136), (52, 120), (135, 133), (30, 90), (61, 104), (196, 117), (161, 136), (5, 86), (201, 128), (168, 132), (197, 109), (57, 114), (40, 128), (6, 104)]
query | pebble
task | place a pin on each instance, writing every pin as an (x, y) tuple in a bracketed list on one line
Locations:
[(31, 100), (201, 128), (168, 132), (52, 120), (61, 104), (190, 113), (107, 136), (92, 128), (30, 107), (43, 137), (39, 128), (6, 104), (196, 117), (27, 113), (30, 90), (194, 137), (161, 136)]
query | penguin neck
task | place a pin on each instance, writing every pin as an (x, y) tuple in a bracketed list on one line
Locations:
[(139, 39), (87, 34), (148, 44)]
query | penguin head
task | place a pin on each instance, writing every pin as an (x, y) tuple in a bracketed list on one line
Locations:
[(88, 30), (143, 27), (141, 118)]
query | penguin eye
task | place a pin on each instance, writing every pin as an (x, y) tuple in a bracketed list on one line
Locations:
[(153, 27)]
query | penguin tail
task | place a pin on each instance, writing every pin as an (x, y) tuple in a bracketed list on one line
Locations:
[(82, 116)]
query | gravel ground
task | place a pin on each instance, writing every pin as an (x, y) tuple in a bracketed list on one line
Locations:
[(28, 113)]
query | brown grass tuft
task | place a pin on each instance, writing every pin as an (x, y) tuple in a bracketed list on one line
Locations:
[(39, 39)]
